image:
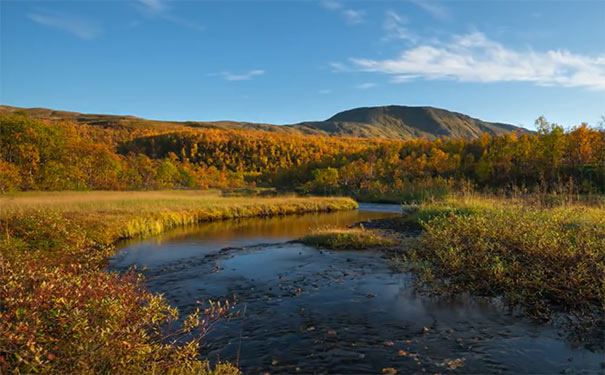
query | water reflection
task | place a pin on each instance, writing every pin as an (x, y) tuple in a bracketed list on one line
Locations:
[(210, 237)]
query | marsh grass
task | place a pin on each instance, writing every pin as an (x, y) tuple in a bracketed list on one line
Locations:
[(347, 239), (541, 257), (61, 313)]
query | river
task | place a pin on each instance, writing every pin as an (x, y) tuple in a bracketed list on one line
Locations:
[(314, 311)]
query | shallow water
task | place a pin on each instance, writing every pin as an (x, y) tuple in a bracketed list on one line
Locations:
[(315, 311)]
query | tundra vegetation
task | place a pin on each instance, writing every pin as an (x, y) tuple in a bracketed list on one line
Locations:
[(347, 239), (62, 313), (543, 257)]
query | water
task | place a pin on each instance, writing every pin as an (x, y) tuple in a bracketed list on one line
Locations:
[(317, 311)]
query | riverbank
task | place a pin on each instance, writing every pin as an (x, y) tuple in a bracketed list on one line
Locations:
[(545, 259), (62, 313)]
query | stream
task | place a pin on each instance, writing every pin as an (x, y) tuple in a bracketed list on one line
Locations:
[(313, 311)]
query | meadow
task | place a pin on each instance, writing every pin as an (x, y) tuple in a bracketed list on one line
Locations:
[(62, 313)]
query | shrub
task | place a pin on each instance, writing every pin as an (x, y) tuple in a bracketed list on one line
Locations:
[(539, 257)]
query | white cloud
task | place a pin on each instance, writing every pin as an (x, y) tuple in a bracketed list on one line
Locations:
[(155, 6), (160, 9), (354, 17), (351, 16), (365, 86), (81, 27), (325, 91), (394, 26), (240, 77), (331, 4), (402, 78), (433, 9), (475, 58), (338, 67)]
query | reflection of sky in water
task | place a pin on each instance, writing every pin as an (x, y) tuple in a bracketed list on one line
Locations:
[(210, 237), (295, 294)]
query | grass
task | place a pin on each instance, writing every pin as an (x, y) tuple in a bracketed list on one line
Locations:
[(60, 312), (346, 239), (117, 215), (543, 258)]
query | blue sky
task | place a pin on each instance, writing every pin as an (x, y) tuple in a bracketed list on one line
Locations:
[(289, 61)]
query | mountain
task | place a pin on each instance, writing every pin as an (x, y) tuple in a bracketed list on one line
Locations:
[(402, 122), (393, 122)]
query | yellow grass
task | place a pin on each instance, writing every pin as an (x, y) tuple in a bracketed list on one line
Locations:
[(347, 239), (146, 201), (54, 247)]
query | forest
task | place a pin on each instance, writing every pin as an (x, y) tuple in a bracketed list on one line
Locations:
[(44, 155)]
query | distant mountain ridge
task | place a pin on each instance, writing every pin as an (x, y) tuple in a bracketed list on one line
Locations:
[(392, 122)]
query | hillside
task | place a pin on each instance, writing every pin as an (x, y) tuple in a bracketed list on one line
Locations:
[(402, 122), (392, 122)]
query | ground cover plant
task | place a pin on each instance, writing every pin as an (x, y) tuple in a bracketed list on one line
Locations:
[(544, 258), (60, 312)]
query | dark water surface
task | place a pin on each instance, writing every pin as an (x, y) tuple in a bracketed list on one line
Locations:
[(345, 312)]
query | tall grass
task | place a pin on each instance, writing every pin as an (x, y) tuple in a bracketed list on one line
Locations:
[(538, 256), (62, 313)]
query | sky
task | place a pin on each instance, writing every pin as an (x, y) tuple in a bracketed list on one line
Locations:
[(290, 61)]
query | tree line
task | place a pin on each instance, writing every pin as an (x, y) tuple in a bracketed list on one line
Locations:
[(43, 155)]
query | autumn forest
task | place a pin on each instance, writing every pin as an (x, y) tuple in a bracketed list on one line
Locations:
[(46, 155)]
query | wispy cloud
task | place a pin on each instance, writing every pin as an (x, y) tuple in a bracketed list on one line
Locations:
[(354, 17), (402, 78), (475, 58), (325, 91), (394, 26), (160, 9), (365, 86), (331, 4), (79, 26), (153, 5), (351, 16), (241, 76), (433, 8), (338, 67)]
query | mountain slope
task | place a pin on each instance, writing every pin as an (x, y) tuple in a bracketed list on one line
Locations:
[(402, 122), (393, 122)]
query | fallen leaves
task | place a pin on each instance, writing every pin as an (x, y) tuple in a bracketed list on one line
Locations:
[(403, 353), (453, 364)]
